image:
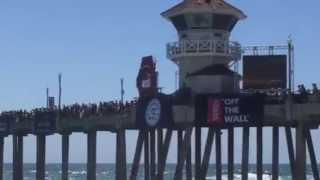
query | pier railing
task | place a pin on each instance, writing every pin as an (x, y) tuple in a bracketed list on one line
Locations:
[(204, 48)]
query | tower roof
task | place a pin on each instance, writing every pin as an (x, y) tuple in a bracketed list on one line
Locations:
[(209, 6), (215, 69)]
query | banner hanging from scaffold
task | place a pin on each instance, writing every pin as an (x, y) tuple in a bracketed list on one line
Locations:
[(229, 110)]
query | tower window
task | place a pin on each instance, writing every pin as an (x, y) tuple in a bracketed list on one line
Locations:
[(199, 21), (223, 22), (179, 22)]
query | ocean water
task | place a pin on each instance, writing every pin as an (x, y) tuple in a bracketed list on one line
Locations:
[(106, 172)]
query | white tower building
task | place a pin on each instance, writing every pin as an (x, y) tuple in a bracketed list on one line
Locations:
[(203, 51)]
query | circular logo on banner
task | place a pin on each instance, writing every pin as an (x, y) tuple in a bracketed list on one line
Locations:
[(153, 112)]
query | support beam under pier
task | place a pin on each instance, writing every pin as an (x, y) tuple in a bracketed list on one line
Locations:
[(41, 157), (91, 155), (1, 156), (259, 153), (65, 157), (245, 153), (230, 153), (164, 152), (146, 156), (153, 154), (137, 157), (198, 173), (121, 156), (290, 150), (275, 153), (218, 155), (207, 153), (300, 161), (20, 158), (312, 154)]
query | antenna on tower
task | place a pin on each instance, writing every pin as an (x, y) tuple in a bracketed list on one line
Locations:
[(60, 90), (47, 98), (291, 64), (122, 89)]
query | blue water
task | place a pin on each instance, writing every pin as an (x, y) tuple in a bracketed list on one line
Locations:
[(106, 172)]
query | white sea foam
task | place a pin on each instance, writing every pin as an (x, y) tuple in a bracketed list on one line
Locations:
[(251, 176)]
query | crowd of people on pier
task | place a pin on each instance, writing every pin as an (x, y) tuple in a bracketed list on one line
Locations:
[(303, 94), (79, 111), (76, 111), (100, 109)]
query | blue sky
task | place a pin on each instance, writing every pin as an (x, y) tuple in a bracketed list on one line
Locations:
[(96, 43)]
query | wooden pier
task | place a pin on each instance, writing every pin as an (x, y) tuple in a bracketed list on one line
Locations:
[(155, 143)]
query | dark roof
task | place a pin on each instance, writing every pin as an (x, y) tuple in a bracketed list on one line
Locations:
[(216, 69)]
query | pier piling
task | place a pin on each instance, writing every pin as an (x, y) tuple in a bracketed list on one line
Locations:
[(1, 156), (137, 157), (198, 173), (146, 156), (207, 153), (189, 161), (41, 155), (259, 153), (313, 159), (121, 163), (164, 153), (230, 153), (300, 160), (153, 154), (290, 150), (14, 156), (275, 153), (20, 157), (245, 153), (159, 150), (91, 155), (180, 151), (218, 155), (65, 157)]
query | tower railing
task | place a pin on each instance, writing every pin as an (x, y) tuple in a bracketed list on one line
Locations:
[(204, 48)]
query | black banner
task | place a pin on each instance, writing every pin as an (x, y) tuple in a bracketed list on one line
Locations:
[(154, 112), (45, 122), (265, 72), (229, 110)]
